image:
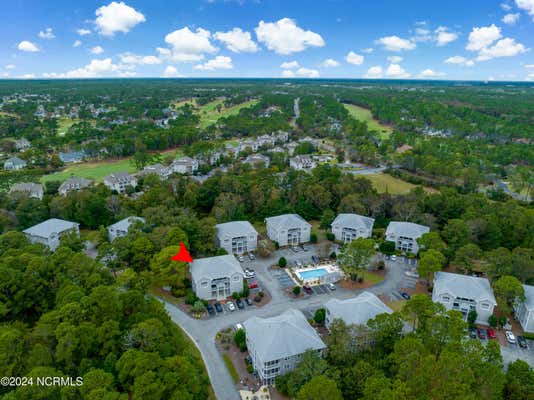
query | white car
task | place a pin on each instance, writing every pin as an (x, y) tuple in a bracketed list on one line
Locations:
[(231, 306), (331, 286), (249, 274), (393, 257), (510, 337), (241, 258)]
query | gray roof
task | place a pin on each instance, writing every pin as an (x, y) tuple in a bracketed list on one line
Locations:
[(529, 297), (154, 168), (285, 335), (464, 286), (354, 221), (215, 267), (286, 220), (15, 161), (29, 187), (73, 156), (50, 226), (235, 229), (357, 310), (124, 224), (408, 229), (116, 177), (75, 182)]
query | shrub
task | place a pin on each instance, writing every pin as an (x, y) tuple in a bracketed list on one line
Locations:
[(333, 255), (261, 294), (282, 262), (492, 321), (320, 316), (296, 290), (471, 318), (198, 307), (387, 248), (190, 297), (240, 339), (381, 265), (313, 237), (360, 279), (250, 368), (236, 296), (246, 290), (330, 236), (178, 291), (257, 298)]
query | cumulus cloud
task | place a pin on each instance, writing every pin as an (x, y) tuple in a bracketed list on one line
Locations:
[(526, 5), (506, 6), (395, 59), (289, 65), (374, 72), (134, 59), (28, 46), (429, 73), (97, 50), (510, 19), (368, 50), (237, 41), (330, 62), (287, 73), (219, 62), (117, 17), (459, 60), (485, 41), (77, 43), (47, 34), (95, 69), (354, 59), (506, 47), (395, 43), (13, 66), (83, 31), (444, 36), (301, 73), (171, 72), (396, 71), (481, 37), (27, 76), (285, 37), (422, 35), (187, 46)]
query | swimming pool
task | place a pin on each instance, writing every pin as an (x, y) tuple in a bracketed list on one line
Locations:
[(313, 273)]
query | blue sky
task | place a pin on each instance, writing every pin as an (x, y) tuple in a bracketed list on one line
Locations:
[(474, 39)]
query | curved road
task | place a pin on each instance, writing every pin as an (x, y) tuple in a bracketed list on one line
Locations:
[(203, 332)]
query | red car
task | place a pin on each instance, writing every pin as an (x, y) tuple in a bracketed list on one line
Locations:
[(491, 334), (253, 285)]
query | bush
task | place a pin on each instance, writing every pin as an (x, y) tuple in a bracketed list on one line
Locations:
[(236, 295), (330, 236), (257, 298), (492, 321), (190, 297), (387, 248), (529, 336), (261, 294), (240, 339), (381, 265), (296, 290), (471, 318), (282, 262), (313, 237), (198, 307), (250, 368), (360, 279), (333, 255), (178, 291), (320, 316), (246, 289)]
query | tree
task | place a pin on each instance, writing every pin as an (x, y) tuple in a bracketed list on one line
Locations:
[(313, 237), (431, 240), (386, 330), (282, 262), (168, 272), (472, 317), (457, 234), (240, 339), (355, 256), (326, 219), (73, 241), (468, 258), (430, 262), (387, 247), (319, 316), (296, 290), (507, 290), (418, 310), (519, 381), (311, 364), (320, 388)]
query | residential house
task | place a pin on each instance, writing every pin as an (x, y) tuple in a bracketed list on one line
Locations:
[(237, 237), (121, 228), (356, 310), (71, 157), (266, 140), (184, 165), (405, 235), (464, 293), (276, 344), (347, 227), (119, 181), (22, 144), (257, 159), (524, 310), (157, 169), (34, 190), (288, 229), (291, 146), (281, 136), (249, 144), (403, 149), (302, 163), (14, 164), (216, 278), (50, 232), (74, 184)]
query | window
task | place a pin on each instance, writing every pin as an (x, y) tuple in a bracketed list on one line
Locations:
[(204, 283), (236, 277), (484, 306), (446, 299)]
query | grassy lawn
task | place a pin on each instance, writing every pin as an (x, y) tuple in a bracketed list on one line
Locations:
[(387, 183), (209, 114), (373, 277), (397, 305), (93, 170), (365, 115), (63, 125), (230, 367)]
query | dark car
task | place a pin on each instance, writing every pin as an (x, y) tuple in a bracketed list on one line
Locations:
[(405, 295), (218, 307), (315, 259), (522, 342), (481, 333), (240, 304), (307, 289), (248, 301), (210, 309), (472, 333)]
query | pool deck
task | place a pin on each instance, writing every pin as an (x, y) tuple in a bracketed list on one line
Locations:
[(330, 268)]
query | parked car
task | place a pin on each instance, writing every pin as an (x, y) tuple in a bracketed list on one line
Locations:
[(238, 326), (481, 333), (251, 256), (522, 342), (248, 301), (305, 248), (210, 309), (231, 306), (295, 249), (241, 258), (405, 295), (240, 304), (315, 259), (331, 286), (307, 289), (472, 333), (393, 257), (249, 273), (218, 307), (299, 264), (253, 285), (491, 333), (510, 337)]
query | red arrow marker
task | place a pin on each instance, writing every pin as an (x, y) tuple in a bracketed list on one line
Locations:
[(182, 255)]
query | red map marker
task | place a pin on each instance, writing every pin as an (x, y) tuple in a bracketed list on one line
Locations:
[(182, 255)]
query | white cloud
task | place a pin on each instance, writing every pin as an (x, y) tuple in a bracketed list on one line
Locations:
[(506, 6), (526, 66), (237, 41), (530, 77), (353, 58), (13, 66), (444, 36), (83, 31), (187, 46), (459, 60), (47, 34), (117, 17), (77, 43), (422, 35), (374, 72), (395, 43), (368, 50), (285, 37), (330, 62), (97, 50), (482, 37), (27, 76), (26, 45), (219, 62), (301, 73), (96, 68), (171, 72), (526, 5), (396, 71), (395, 59), (429, 73), (130, 58), (289, 65), (506, 47), (288, 74), (510, 19)]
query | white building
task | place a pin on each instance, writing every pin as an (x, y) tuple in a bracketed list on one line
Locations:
[(216, 278), (75, 184), (157, 169), (288, 229), (257, 159), (347, 227), (50, 232), (524, 310), (119, 181), (356, 310), (302, 163), (14, 164), (237, 237), (34, 190), (249, 144), (464, 293), (121, 228), (184, 165), (405, 235), (22, 144), (276, 344)]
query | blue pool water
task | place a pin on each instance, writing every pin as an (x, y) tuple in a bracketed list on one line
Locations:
[(314, 273)]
